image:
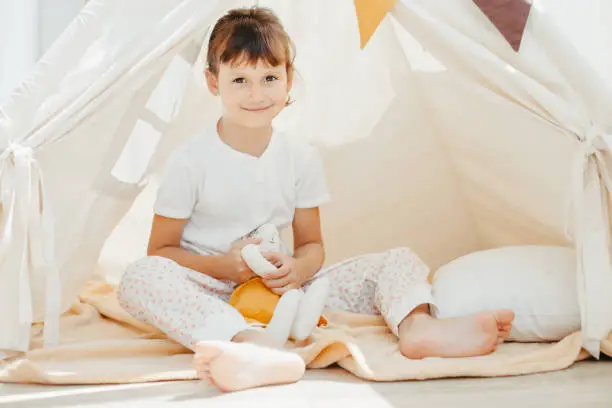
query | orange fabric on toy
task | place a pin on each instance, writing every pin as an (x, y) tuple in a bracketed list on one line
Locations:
[(256, 302)]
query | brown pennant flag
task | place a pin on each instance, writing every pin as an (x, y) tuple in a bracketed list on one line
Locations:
[(509, 16), (370, 13)]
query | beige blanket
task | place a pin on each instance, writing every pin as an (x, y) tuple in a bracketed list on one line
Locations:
[(101, 344)]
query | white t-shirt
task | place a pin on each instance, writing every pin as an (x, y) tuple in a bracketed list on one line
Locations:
[(226, 194)]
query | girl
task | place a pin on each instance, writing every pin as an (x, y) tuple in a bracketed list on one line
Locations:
[(239, 174)]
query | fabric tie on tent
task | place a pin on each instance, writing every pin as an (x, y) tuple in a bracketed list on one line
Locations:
[(598, 145), (370, 13), (591, 188), (509, 16), (27, 229)]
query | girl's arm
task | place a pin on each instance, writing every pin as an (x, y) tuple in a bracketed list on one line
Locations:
[(309, 252), (165, 242), (308, 255)]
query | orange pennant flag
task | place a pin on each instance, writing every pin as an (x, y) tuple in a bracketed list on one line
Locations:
[(370, 13)]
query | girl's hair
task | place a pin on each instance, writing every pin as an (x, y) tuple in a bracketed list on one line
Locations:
[(247, 35)]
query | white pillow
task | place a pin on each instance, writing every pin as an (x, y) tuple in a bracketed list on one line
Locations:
[(537, 282)]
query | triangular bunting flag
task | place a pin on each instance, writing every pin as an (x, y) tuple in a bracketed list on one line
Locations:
[(509, 16), (370, 13)]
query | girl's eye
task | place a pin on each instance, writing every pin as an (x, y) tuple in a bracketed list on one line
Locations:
[(271, 78), (239, 81)]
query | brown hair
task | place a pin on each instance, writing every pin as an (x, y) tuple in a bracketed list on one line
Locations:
[(249, 35)]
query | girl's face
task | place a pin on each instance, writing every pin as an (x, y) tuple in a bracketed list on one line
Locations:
[(252, 95)]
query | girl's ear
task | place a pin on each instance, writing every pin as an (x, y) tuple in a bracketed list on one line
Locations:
[(212, 82), (290, 72)]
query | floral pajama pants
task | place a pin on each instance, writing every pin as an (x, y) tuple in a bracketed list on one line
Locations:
[(190, 307)]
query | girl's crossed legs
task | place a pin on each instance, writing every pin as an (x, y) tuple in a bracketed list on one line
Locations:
[(192, 308)]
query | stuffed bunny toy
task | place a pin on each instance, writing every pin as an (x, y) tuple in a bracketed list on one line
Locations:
[(292, 316)]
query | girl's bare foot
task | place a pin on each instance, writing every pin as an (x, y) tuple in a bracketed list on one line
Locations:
[(422, 336), (239, 365)]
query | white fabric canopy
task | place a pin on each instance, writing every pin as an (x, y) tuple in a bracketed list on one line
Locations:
[(438, 136)]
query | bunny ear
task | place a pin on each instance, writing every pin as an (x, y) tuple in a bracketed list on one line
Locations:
[(275, 258), (271, 256)]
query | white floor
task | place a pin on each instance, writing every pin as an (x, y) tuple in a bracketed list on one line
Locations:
[(585, 385)]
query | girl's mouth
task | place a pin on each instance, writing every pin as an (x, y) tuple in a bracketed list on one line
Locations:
[(257, 109)]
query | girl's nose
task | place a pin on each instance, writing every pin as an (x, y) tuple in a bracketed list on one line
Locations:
[(256, 92)]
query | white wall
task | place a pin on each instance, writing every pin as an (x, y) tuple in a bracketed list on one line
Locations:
[(54, 17), (18, 41), (587, 25), (27, 29)]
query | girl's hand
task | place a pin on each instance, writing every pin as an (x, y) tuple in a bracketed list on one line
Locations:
[(236, 269), (287, 276)]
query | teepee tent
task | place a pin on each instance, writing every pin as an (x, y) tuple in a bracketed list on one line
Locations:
[(440, 134)]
